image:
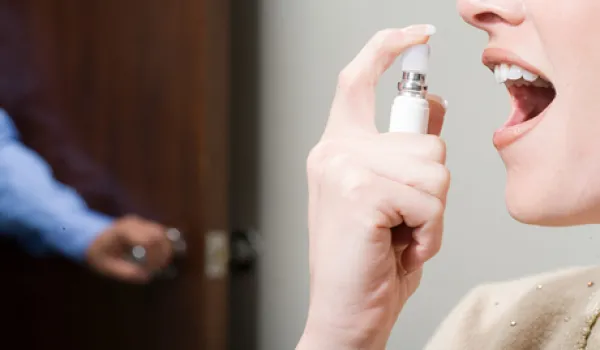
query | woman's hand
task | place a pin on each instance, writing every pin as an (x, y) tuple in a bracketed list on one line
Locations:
[(376, 206)]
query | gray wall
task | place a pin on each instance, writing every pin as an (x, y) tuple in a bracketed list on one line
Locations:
[(304, 43)]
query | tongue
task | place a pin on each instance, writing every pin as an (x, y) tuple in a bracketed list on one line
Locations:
[(531, 101)]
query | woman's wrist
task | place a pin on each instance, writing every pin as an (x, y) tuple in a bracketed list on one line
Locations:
[(322, 339), (323, 334)]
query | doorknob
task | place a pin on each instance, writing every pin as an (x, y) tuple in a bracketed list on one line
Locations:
[(246, 247), (178, 245), (178, 242), (240, 251)]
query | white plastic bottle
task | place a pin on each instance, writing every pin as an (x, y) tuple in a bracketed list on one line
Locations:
[(410, 110)]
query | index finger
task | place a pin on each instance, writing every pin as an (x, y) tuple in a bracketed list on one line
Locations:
[(354, 103)]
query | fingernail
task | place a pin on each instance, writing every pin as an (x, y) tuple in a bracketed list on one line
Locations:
[(446, 104), (421, 29)]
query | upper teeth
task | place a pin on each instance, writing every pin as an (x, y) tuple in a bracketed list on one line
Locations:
[(513, 74)]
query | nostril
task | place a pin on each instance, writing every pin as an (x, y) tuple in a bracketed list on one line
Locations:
[(487, 18)]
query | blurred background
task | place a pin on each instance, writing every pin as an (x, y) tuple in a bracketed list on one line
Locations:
[(200, 114)]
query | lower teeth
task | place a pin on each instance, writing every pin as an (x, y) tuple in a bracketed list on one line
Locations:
[(522, 82)]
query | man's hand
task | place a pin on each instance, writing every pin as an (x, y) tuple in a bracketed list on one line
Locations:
[(110, 254)]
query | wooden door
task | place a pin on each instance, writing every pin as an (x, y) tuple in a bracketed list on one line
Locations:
[(142, 85)]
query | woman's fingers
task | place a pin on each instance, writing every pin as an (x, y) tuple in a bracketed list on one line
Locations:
[(353, 108), (421, 215), (430, 177)]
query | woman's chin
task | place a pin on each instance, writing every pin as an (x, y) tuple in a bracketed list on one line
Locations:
[(539, 210), (536, 218)]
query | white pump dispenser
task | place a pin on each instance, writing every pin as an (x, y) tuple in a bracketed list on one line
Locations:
[(410, 110)]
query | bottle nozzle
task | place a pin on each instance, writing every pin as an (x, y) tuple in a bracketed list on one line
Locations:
[(410, 111), (415, 65), (416, 59)]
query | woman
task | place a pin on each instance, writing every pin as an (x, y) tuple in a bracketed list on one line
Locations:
[(376, 201)]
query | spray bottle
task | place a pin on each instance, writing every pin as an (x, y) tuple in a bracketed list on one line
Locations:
[(410, 110)]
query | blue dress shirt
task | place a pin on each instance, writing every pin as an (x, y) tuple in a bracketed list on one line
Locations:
[(41, 213)]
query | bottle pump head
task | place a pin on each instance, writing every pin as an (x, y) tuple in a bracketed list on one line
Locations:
[(415, 66)]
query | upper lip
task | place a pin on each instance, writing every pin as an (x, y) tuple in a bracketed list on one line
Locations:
[(493, 57)]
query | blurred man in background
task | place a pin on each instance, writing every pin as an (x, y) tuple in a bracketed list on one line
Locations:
[(53, 197), (45, 215)]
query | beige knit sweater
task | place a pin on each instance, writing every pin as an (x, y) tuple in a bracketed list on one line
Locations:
[(556, 311)]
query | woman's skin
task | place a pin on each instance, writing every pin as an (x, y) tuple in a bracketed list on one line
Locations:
[(376, 201), (553, 170)]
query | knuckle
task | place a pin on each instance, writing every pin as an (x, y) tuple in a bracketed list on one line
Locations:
[(318, 154), (366, 214), (352, 77), (435, 149), (156, 229), (382, 216), (437, 209), (382, 38), (151, 240), (436, 245), (348, 79), (384, 42), (436, 228), (154, 236), (337, 170), (442, 178), (130, 219), (355, 185), (326, 160)]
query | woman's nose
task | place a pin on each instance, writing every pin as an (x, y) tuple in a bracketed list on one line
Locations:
[(485, 14)]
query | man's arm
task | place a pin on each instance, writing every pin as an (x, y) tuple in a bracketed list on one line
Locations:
[(28, 82), (43, 214), (39, 211)]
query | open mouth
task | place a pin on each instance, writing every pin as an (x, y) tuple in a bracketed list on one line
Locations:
[(531, 94)]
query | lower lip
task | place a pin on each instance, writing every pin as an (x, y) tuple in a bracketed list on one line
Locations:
[(508, 135)]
